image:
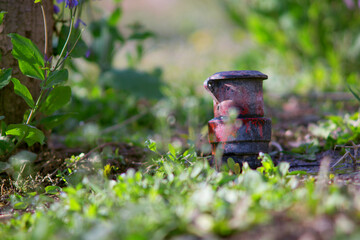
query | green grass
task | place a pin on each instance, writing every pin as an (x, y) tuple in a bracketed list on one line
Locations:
[(181, 195)]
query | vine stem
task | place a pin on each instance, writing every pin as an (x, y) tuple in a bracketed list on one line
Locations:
[(77, 40), (45, 29), (33, 110), (67, 39)]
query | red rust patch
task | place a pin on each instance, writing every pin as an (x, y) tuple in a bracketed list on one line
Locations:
[(256, 122), (259, 103), (244, 101)]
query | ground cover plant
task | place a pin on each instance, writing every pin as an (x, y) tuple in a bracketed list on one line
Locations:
[(115, 148)]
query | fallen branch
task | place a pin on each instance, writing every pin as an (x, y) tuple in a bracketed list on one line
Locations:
[(348, 153), (124, 123)]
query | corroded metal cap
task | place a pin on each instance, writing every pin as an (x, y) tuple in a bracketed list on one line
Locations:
[(244, 74), (251, 133), (240, 90)]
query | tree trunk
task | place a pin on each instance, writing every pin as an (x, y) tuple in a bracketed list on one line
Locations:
[(23, 17)]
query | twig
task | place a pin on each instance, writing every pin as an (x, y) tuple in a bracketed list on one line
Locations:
[(48, 176), (348, 153), (20, 173), (124, 123), (45, 29), (278, 146), (97, 148), (356, 148), (337, 162), (354, 160)]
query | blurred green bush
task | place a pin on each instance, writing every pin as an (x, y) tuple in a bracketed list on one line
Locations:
[(311, 45)]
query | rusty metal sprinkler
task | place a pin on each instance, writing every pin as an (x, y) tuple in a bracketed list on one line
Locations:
[(249, 133)]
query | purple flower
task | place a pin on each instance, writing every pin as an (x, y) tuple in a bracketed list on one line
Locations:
[(87, 54), (47, 60), (56, 9), (349, 4), (78, 21), (66, 55), (69, 3)]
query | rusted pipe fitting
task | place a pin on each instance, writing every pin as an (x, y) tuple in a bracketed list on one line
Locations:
[(250, 133)]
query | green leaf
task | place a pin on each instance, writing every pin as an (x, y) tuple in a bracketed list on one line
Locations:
[(52, 189), (115, 16), (22, 157), (172, 150), (3, 126), (5, 144), (20, 206), (298, 172), (225, 179), (57, 98), (74, 205), (16, 131), (29, 133), (284, 168), (31, 194), (57, 77), (231, 164), (196, 171), (5, 76), (31, 70), (151, 145), (52, 121), (80, 48), (4, 167), (29, 56), (37, 1), (141, 35), (138, 83), (237, 168), (2, 15), (356, 95), (23, 92)]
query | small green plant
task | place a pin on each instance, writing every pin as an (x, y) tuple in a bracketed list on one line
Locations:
[(231, 167), (172, 162), (306, 151), (53, 93), (338, 130)]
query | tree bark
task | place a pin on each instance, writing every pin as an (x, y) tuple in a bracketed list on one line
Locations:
[(23, 17)]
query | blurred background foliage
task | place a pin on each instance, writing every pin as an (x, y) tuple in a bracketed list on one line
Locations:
[(314, 45), (146, 61)]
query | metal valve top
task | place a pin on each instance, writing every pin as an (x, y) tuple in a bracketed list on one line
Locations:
[(241, 90)]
